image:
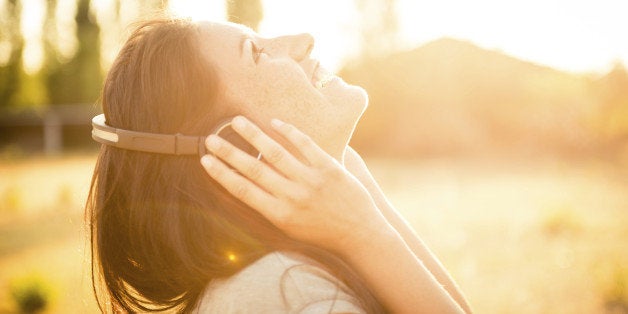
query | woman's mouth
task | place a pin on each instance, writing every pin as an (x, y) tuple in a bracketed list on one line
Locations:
[(322, 77)]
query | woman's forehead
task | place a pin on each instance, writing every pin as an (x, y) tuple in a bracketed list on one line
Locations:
[(226, 28), (224, 38), (222, 43)]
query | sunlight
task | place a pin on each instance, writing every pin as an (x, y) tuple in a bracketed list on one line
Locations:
[(576, 36), (199, 10), (332, 23), (32, 18), (515, 173)]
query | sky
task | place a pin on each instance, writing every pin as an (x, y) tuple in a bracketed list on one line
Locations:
[(573, 35), (576, 36)]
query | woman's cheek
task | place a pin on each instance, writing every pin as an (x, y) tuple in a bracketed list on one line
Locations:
[(285, 74)]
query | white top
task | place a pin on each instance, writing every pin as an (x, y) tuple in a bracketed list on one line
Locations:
[(278, 283)]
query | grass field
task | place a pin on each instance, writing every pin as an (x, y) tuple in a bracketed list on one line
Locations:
[(519, 237)]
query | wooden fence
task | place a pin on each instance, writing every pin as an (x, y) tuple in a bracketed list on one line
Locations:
[(50, 130)]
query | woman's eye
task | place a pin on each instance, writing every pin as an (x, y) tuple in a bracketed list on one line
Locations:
[(256, 51)]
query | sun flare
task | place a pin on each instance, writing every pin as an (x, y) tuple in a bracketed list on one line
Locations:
[(199, 10), (577, 37)]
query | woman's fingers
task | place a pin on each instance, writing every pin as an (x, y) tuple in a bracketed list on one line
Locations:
[(317, 201), (273, 152), (306, 146), (239, 186), (255, 170)]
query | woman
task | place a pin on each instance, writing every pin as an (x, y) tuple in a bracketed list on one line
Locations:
[(271, 219)]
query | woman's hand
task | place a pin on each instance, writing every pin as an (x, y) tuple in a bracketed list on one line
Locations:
[(354, 163), (315, 201), (320, 202)]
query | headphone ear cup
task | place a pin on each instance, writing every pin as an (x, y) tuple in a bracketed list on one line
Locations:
[(226, 132)]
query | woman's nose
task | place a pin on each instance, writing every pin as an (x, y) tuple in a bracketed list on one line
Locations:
[(302, 46), (297, 47)]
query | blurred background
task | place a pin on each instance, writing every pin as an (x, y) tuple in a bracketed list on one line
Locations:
[(498, 128)]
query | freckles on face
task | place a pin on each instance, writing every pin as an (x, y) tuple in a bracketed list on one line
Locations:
[(283, 80), (249, 77), (266, 78)]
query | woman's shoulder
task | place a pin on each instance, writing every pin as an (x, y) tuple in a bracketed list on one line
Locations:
[(279, 282)]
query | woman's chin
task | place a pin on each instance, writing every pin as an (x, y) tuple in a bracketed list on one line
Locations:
[(351, 102), (363, 97), (351, 97)]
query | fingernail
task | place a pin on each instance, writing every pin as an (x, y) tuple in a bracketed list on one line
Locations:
[(212, 142), (276, 123), (207, 161), (239, 122)]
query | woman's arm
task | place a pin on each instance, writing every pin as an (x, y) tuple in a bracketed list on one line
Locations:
[(356, 166), (320, 202)]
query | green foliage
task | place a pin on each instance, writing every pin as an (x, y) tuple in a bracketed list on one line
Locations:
[(11, 73), (77, 80), (31, 294), (11, 201), (32, 92), (246, 12), (80, 79), (561, 221), (614, 288)]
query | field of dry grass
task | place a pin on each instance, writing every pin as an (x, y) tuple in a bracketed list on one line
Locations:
[(519, 237)]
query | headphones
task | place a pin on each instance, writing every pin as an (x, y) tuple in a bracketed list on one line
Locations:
[(173, 144)]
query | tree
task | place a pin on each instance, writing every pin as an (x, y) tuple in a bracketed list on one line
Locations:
[(11, 73), (80, 79), (246, 12), (52, 63)]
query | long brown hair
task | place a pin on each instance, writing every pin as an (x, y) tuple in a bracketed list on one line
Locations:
[(161, 229)]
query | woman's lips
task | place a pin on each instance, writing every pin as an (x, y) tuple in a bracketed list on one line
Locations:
[(321, 77)]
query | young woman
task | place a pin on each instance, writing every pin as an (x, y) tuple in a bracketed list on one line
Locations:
[(279, 215)]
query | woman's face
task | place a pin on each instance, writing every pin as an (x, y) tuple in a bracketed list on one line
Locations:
[(265, 78)]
